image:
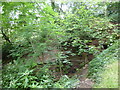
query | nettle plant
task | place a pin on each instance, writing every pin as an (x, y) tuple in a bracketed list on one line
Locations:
[(30, 32), (62, 63), (78, 28), (84, 47), (84, 28), (103, 30)]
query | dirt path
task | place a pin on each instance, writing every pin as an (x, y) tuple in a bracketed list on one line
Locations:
[(84, 81)]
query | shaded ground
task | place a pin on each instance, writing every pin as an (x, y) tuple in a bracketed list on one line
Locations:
[(78, 62), (84, 81)]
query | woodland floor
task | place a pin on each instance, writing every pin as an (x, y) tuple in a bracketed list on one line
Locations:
[(76, 60), (84, 81), (82, 73)]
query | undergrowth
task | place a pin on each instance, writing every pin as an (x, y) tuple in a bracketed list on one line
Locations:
[(98, 64), (109, 76), (22, 74), (33, 30)]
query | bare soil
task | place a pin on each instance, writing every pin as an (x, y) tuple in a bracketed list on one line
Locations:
[(84, 81)]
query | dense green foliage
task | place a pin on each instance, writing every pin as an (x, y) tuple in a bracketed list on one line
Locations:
[(39, 38), (114, 11), (109, 76), (96, 66), (22, 74)]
